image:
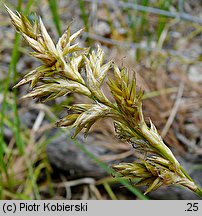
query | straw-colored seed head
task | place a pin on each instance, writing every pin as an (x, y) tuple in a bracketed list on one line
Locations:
[(68, 68)]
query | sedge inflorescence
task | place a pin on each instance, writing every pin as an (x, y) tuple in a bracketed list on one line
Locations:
[(68, 68)]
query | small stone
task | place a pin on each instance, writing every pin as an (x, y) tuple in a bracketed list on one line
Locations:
[(102, 28), (195, 73)]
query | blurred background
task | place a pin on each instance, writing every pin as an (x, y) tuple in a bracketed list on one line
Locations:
[(158, 39)]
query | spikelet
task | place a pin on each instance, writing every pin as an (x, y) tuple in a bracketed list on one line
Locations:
[(153, 172)]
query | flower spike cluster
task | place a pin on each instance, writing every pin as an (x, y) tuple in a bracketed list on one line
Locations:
[(68, 68)]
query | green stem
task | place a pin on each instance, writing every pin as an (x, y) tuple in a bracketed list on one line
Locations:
[(199, 192), (56, 18), (186, 174)]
